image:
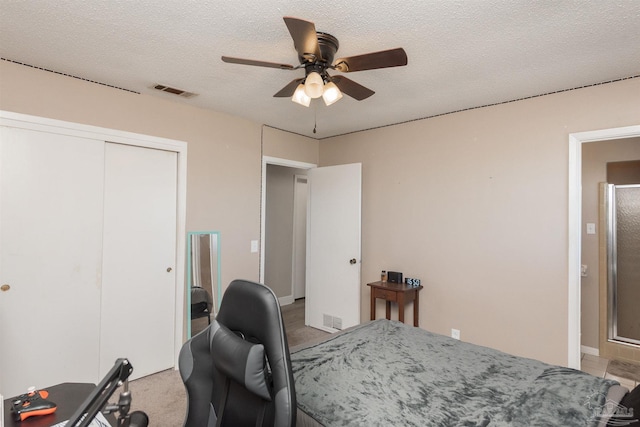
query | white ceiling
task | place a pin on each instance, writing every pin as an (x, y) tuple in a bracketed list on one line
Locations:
[(462, 54)]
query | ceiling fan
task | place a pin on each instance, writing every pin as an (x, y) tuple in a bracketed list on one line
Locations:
[(316, 51)]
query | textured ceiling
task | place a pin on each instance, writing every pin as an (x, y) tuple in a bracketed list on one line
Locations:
[(462, 54)]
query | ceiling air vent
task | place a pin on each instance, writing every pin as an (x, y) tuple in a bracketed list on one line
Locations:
[(173, 90)]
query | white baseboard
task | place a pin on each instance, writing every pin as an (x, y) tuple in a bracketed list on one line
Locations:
[(589, 350), (286, 300)]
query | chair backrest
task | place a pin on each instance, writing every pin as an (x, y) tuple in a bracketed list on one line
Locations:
[(237, 372)]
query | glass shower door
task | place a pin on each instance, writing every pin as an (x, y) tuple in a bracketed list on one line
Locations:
[(623, 258)]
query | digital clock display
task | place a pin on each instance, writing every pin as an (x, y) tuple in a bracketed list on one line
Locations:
[(412, 282)]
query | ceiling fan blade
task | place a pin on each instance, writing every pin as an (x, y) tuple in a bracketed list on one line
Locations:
[(351, 88), (305, 39), (256, 63), (371, 61), (287, 91)]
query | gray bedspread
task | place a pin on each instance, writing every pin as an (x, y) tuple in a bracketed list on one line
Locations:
[(385, 373)]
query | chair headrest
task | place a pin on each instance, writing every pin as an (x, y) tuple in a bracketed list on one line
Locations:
[(240, 360)]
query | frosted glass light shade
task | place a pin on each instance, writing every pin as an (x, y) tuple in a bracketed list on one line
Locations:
[(314, 85), (331, 93), (300, 97)]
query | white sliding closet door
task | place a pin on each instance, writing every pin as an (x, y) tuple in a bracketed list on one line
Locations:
[(50, 258), (139, 257)]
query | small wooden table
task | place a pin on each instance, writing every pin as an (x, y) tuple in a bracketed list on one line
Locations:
[(398, 292)]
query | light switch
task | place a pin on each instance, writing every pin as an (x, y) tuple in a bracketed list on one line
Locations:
[(254, 246), (591, 228)]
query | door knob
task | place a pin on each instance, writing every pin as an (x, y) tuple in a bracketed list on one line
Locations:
[(352, 261), (5, 288), (169, 270)]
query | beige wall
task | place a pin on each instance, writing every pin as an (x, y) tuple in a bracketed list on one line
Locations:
[(224, 152), (475, 205), (595, 157), (290, 146)]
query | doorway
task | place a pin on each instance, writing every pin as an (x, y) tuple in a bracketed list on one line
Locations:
[(283, 227), (576, 141), (333, 244), (602, 162)]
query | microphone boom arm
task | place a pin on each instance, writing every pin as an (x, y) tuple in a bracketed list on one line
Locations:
[(101, 394)]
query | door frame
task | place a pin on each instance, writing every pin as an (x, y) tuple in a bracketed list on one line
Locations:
[(268, 160), (575, 226), (43, 124), (296, 228)]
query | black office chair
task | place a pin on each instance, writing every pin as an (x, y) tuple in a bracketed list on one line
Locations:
[(237, 372)]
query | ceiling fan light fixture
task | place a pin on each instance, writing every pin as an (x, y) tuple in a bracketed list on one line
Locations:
[(331, 94), (314, 85), (316, 51), (300, 97)]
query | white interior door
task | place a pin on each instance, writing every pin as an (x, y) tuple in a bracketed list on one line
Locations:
[(333, 247), (138, 296), (50, 258)]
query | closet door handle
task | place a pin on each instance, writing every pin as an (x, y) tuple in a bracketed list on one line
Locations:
[(352, 261), (168, 269)]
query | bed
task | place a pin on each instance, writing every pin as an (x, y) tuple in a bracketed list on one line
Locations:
[(385, 373)]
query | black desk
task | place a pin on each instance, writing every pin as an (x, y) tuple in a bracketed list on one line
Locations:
[(68, 397)]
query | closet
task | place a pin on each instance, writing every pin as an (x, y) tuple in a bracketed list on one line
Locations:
[(90, 254)]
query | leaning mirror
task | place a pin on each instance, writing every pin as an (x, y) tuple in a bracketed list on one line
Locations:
[(203, 278)]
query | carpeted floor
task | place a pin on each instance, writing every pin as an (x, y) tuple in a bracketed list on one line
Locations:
[(297, 332), (162, 395)]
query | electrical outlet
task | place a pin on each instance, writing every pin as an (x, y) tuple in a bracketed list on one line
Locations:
[(455, 333)]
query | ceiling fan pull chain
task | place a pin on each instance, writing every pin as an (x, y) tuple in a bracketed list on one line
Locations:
[(315, 117)]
